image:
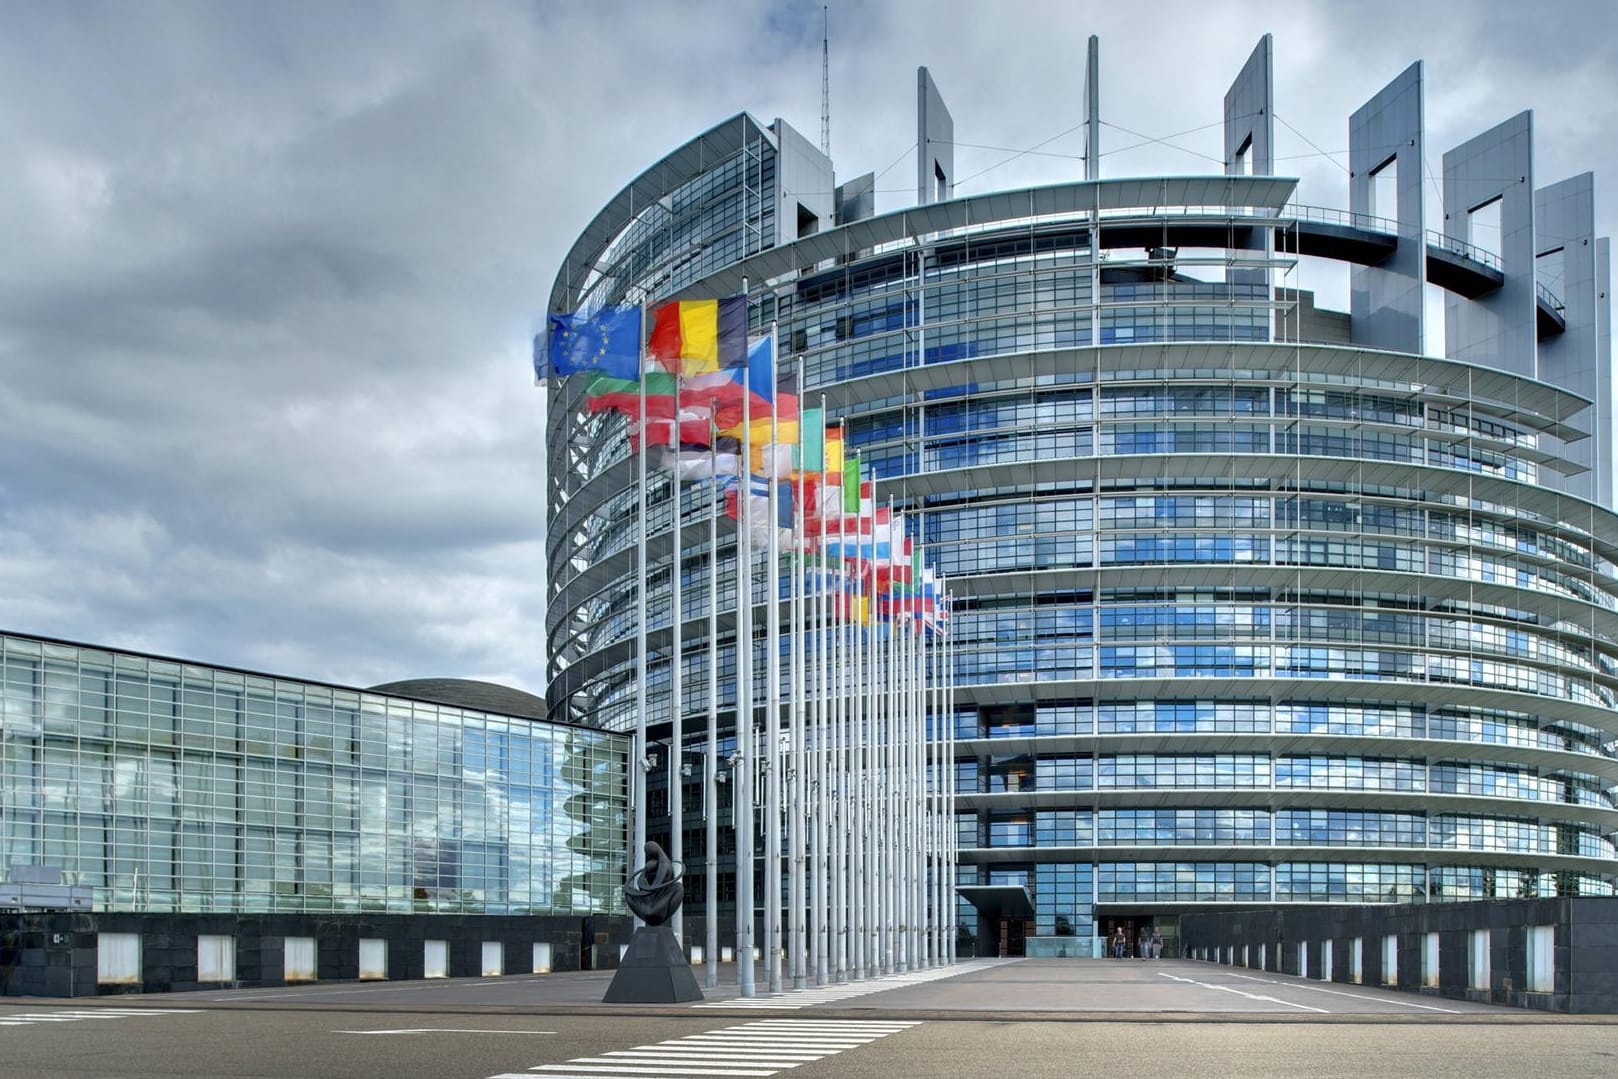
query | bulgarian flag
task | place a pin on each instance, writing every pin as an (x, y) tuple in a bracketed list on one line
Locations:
[(607, 394)]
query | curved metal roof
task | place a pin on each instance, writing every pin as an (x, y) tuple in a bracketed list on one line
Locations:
[(662, 177), (468, 693)]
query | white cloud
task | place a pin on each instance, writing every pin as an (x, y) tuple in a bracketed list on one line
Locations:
[(271, 270)]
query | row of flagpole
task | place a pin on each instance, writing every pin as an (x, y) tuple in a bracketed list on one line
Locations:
[(857, 806)]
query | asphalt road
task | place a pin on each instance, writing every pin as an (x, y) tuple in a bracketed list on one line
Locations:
[(1113, 1020)]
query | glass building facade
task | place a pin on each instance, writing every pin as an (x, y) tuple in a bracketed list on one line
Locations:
[(167, 786), (1247, 610)]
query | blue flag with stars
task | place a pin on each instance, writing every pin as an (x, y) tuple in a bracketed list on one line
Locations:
[(607, 342)]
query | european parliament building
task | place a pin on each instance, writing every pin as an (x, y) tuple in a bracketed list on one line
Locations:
[(1256, 603), (165, 824)]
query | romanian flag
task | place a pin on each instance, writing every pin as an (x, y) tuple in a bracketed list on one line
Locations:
[(699, 337)]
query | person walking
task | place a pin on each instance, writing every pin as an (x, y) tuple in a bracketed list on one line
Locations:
[(1120, 943), (1157, 943)]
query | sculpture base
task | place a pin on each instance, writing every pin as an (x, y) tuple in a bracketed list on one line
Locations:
[(653, 971)]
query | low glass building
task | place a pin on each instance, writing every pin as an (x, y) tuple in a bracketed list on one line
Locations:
[(1257, 603), (167, 786)]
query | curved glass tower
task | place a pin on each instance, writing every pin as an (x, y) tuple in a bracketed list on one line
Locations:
[(1255, 602)]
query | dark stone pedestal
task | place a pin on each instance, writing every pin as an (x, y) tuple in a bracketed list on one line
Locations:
[(654, 971)]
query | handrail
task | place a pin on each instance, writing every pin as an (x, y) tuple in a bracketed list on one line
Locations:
[(1464, 250)]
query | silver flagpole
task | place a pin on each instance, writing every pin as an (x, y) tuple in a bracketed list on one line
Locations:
[(854, 742), (837, 677), (916, 746), (903, 818), (892, 778), (638, 770), (710, 756), (871, 741), (742, 775), (795, 799), (676, 754), (929, 726), (942, 773), (918, 776), (952, 835), (772, 709), (820, 867)]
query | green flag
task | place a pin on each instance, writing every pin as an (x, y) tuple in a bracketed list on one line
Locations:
[(851, 484), (812, 441)]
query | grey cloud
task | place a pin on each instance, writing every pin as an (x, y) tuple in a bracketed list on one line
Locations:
[(270, 271)]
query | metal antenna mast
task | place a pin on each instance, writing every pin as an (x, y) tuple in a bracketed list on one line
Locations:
[(825, 81)]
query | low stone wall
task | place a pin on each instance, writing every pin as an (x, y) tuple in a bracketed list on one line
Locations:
[(1583, 957), (54, 955)]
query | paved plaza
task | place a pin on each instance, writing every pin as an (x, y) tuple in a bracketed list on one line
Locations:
[(1039, 1018)]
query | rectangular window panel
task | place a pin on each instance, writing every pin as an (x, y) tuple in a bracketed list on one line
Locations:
[(1478, 959), (216, 958), (373, 959), (300, 959), (118, 959), (435, 959), (1541, 958)]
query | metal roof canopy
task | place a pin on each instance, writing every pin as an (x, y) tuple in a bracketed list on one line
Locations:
[(998, 900), (1237, 193)]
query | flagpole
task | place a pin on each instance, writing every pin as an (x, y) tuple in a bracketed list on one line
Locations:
[(819, 868), (904, 688), (837, 679), (710, 756), (874, 757), (898, 691), (743, 776), (676, 755), (918, 782), (893, 795), (637, 845), (952, 836), (772, 710), (795, 800), (853, 698), (929, 727)]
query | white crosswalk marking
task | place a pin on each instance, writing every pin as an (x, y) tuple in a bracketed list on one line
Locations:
[(827, 994), (750, 1051), (80, 1015)]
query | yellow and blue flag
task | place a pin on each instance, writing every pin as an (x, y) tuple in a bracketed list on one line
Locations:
[(607, 342)]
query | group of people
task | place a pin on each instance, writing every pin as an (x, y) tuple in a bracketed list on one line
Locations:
[(1148, 943)]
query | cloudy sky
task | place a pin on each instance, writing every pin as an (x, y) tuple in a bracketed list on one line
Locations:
[(268, 272)]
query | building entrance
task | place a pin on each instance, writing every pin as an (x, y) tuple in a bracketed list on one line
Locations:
[(1134, 926)]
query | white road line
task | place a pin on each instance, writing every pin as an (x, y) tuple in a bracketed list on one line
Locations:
[(700, 1053), (638, 1057), (442, 1030), (600, 1066), (1238, 992), (749, 1051), (762, 1038), (1351, 996), (84, 1015)]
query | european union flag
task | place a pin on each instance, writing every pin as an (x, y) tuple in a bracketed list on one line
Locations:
[(607, 341)]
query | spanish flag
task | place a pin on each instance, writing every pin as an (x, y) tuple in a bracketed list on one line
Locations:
[(700, 337)]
